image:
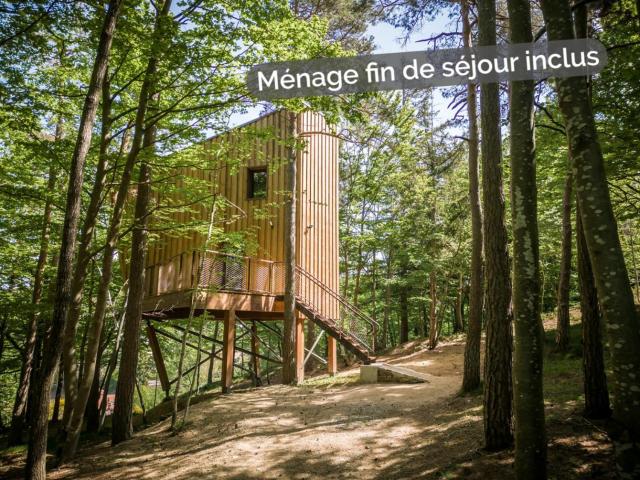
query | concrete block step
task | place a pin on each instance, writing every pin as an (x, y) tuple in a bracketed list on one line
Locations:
[(385, 373)]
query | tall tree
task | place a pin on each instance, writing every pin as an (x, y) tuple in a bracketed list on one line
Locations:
[(123, 408), (28, 356), (289, 332), (121, 424), (497, 366), (36, 457), (528, 400), (471, 373), (564, 282), (601, 235), (596, 393), (83, 258)]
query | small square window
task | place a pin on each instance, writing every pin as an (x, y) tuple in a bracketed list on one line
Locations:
[(257, 183)]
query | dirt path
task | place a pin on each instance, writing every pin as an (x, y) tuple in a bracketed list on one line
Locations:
[(322, 430)]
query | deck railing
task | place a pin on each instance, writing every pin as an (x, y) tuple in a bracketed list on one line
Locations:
[(225, 272), (315, 294), (216, 270)]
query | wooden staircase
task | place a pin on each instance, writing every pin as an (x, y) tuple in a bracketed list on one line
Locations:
[(352, 328)]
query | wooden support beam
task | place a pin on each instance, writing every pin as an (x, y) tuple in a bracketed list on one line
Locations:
[(255, 350), (220, 342), (158, 359), (299, 350), (311, 351), (228, 349), (332, 355)]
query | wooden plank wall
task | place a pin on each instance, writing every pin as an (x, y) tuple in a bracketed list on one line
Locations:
[(170, 260), (318, 208)]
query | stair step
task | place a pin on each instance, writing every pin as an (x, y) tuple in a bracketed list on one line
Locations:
[(349, 341)]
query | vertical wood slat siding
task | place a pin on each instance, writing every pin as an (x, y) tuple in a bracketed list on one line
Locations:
[(317, 195)]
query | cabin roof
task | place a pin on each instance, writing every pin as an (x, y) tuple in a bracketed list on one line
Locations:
[(246, 124)]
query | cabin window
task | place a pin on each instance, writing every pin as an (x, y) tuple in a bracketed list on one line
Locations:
[(257, 183)]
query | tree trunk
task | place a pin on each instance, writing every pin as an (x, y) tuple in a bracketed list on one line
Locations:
[(111, 367), (374, 298), (139, 234), (92, 412), (213, 351), (603, 243), (594, 377), (404, 314), (528, 400), (562, 326), (471, 374), (55, 416), (194, 302), (289, 334), (433, 318), (596, 393), (21, 401), (497, 371), (459, 306), (121, 426), (387, 306), (36, 457), (360, 264), (634, 262), (83, 259)]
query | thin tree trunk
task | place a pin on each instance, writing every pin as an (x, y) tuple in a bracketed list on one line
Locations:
[(213, 351), (596, 393), (528, 400), (404, 314), (360, 264), (387, 305), (374, 297), (55, 416), (471, 373), (497, 371), (562, 325), (36, 457), (440, 314), (140, 234), (634, 262), (3, 331), (433, 318), (603, 243), (459, 305), (194, 301), (22, 395), (92, 412), (83, 259), (111, 367), (141, 400), (289, 334), (121, 426)]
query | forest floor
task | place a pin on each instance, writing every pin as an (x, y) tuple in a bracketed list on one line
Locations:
[(338, 428)]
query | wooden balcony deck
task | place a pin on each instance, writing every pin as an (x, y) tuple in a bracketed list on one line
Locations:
[(253, 287)]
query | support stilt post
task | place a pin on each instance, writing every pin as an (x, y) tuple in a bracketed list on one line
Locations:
[(158, 359), (228, 349), (332, 355), (299, 353), (255, 351)]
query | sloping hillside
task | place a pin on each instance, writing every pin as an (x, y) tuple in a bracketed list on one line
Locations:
[(339, 429)]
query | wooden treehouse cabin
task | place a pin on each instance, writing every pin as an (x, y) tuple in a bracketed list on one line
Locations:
[(240, 289)]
